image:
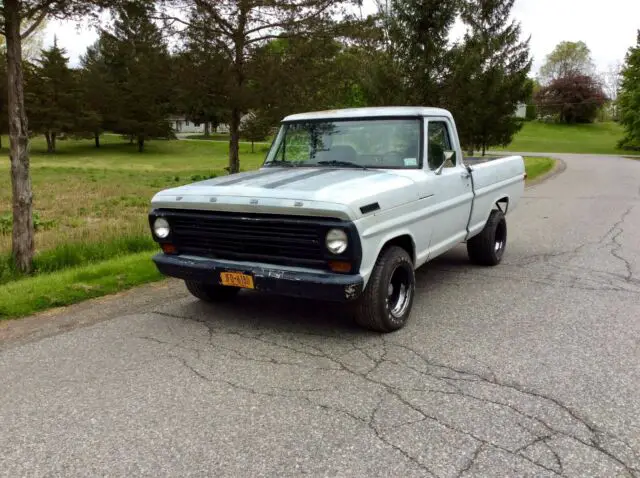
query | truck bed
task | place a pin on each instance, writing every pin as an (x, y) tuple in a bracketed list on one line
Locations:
[(471, 160)]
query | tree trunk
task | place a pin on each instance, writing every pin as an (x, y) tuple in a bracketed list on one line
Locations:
[(96, 137), (234, 142), (140, 144), (238, 99), (47, 135), (22, 234), (53, 142), (207, 129), (252, 147), (484, 148), (0, 141)]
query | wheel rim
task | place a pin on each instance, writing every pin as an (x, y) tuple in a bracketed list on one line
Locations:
[(500, 238), (399, 292)]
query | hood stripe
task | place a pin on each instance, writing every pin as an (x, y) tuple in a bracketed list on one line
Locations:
[(248, 177), (298, 177)]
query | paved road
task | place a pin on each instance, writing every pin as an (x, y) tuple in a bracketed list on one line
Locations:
[(531, 368)]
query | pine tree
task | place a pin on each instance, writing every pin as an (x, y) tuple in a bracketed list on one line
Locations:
[(419, 36), (52, 96), (490, 76), (629, 98), (138, 71), (203, 79), (96, 94)]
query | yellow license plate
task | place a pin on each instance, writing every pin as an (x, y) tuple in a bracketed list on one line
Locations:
[(236, 279)]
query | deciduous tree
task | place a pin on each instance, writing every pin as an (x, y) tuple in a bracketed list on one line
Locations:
[(572, 98), (567, 59), (238, 26)]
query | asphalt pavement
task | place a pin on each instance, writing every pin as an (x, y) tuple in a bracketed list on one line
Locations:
[(531, 368)]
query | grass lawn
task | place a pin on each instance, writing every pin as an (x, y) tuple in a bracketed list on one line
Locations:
[(536, 167), (91, 204), (597, 138)]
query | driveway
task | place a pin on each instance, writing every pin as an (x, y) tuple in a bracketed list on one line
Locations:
[(529, 368)]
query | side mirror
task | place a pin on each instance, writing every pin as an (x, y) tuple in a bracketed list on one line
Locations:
[(447, 156)]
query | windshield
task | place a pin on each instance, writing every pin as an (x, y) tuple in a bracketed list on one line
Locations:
[(375, 143)]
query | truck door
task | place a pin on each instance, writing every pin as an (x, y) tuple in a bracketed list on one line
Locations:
[(452, 187)]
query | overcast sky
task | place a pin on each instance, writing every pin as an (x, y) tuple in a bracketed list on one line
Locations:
[(608, 28)]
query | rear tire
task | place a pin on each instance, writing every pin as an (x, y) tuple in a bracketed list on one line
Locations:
[(487, 248), (211, 292), (385, 305)]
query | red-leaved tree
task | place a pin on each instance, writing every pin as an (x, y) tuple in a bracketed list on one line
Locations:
[(573, 98)]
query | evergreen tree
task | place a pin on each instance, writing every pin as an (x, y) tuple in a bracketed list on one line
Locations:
[(138, 72), (203, 77), (97, 96), (629, 98), (52, 96), (490, 75), (418, 44)]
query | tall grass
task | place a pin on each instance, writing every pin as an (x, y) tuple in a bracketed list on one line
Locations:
[(67, 255)]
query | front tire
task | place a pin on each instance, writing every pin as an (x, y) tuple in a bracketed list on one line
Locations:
[(487, 248), (211, 292), (385, 305)]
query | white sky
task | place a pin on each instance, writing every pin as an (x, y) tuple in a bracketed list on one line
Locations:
[(608, 28)]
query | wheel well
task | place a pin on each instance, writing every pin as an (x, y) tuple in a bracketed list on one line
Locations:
[(502, 204), (405, 242)]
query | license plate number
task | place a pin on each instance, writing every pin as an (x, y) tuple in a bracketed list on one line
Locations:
[(237, 279)]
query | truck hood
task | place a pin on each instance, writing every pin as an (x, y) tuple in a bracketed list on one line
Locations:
[(334, 192)]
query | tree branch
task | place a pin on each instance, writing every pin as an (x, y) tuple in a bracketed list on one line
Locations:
[(300, 21), (36, 23)]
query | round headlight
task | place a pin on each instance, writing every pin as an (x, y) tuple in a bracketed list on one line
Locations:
[(161, 228), (337, 241)]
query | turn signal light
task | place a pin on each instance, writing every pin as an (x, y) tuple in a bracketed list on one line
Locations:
[(339, 266), (169, 248)]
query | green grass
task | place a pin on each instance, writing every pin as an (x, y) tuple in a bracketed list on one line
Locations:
[(30, 295), (68, 255), (596, 138), (536, 167)]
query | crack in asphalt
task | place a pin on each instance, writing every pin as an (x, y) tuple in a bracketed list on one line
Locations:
[(449, 380), (472, 461)]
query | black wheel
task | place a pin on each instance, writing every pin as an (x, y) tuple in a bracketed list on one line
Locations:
[(487, 248), (385, 304), (211, 292)]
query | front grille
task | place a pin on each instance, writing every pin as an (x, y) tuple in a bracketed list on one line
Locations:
[(263, 238)]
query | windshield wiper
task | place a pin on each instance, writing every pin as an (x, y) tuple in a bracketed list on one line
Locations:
[(280, 162), (348, 164)]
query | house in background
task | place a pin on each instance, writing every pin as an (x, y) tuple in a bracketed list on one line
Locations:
[(181, 124), (521, 110)]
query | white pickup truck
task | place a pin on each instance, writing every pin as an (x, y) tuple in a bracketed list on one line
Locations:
[(347, 204)]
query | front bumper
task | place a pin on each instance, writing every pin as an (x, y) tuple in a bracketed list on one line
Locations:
[(272, 279)]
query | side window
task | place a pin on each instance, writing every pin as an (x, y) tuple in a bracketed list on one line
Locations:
[(439, 142)]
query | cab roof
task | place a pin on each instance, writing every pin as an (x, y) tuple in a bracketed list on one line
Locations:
[(369, 112)]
